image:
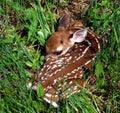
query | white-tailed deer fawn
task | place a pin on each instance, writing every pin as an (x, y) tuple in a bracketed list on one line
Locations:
[(70, 51)]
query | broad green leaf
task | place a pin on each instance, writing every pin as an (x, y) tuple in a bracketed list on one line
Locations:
[(38, 106), (65, 3), (28, 63), (99, 69), (40, 33), (100, 82), (104, 2), (8, 40), (40, 91)]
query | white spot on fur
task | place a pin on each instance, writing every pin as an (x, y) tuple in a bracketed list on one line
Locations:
[(51, 102), (59, 65), (73, 72), (49, 87), (54, 66), (55, 80), (81, 75), (68, 74), (97, 43), (75, 87), (48, 95), (75, 77), (70, 82)]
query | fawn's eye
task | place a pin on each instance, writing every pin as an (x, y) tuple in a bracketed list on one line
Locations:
[(61, 42), (57, 52)]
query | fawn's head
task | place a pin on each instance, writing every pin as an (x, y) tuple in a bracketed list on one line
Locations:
[(63, 39)]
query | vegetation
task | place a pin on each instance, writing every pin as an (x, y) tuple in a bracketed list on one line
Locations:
[(24, 28)]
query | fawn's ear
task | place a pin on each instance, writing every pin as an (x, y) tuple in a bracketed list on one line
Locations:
[(64, 22), (79, 35)]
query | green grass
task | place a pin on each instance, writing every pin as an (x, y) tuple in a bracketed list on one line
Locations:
[(24, 29)]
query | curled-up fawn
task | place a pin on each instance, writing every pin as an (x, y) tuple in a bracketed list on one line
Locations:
[(70, 51)]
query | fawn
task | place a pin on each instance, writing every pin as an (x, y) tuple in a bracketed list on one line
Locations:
[(70, 51)]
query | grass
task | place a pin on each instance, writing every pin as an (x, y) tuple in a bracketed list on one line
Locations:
[(24, 28)]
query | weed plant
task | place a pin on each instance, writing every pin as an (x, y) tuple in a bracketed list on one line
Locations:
[(24, 29)]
